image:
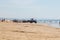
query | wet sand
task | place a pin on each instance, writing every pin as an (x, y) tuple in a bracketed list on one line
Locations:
[(27, 31)]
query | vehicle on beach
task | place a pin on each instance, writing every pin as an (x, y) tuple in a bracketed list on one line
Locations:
[(30, 21), (26, 21)]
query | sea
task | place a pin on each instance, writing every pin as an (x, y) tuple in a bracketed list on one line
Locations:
[(53, 23)]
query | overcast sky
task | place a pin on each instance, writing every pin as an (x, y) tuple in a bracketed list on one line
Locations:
[(49, 9)]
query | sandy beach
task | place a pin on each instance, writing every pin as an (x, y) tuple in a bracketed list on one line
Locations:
[(28, 31)]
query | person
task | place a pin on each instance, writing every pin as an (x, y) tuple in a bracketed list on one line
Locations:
[(3, 20)]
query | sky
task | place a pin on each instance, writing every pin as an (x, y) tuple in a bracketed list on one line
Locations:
[(47, 9)]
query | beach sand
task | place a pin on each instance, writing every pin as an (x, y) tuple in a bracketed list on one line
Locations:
[(28, 31)]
